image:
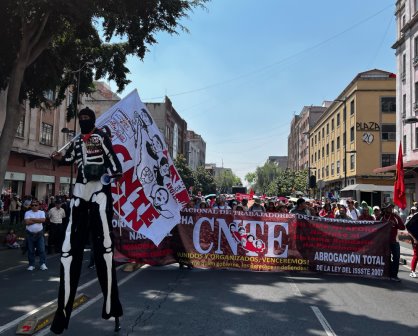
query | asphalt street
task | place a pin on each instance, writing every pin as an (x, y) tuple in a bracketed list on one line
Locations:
[(170, 301)]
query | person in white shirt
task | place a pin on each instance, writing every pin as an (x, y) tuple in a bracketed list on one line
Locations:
[(352, 211), (56, 227), (34, 219)]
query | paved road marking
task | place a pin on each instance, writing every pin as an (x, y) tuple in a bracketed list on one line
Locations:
[(323, 321), (15, 322), (95, 299), (294, 287)]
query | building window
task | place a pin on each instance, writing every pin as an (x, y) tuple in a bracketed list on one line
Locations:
[(46, 134), (327, 149), (416, 137), (315, 157), (404, 104), (327, 171), (388, 160), (319, 174), (416, 98), (352, 161), (332, 169), (327, 129), (352, 134), (332, 124), (315, 139), (49, 95), (388, 104), (69, 136), (404, 145), (338, 142), (352, 108), (338, 119), (311, 142), (403, 73), (20, 132), (323, 132), (338, 167), (323, 153), (389, 132), (323, 172), (415, 50), (332, 146), (416, 5), (344, 139), (70, 98)]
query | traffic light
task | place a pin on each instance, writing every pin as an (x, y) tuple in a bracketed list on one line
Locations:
[(312, 181)]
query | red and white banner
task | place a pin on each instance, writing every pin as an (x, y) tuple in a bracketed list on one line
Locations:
[(225, 239), (150, 193)]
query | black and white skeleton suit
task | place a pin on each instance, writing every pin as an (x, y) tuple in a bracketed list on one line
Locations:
[(91, 212)]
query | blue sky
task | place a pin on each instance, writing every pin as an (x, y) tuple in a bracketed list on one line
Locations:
[(246, 67)]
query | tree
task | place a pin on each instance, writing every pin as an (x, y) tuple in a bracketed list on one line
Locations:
[(272, 180), (225, 180), (184, 171), (47, 40), (204, 181)]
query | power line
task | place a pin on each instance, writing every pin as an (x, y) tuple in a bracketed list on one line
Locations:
[(280, 61)]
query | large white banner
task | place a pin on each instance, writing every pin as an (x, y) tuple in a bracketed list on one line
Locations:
[(150, 193)]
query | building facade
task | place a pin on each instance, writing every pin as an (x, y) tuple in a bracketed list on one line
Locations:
[(40, 132), (195, 149), (406, 51), (298, 144), (171, 125), (354, 135), (280, 161)]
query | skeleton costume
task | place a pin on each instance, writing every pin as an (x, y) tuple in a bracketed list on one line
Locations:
[(91, 212)]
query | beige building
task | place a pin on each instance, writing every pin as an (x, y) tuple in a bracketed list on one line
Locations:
[(41, 131), (196, 150), (356, 134), (171, 125), (298, 146)]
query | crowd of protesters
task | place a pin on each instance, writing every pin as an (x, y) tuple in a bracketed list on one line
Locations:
[(43, 223), (345, 209)]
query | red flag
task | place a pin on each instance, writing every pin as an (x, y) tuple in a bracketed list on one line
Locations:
[(399, 197), (251, 193)]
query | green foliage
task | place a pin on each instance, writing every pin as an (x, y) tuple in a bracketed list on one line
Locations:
[(251, 178), (184, 171), (225, 180), (272, 180), (201, 180), (64, 35), (204, 181), (51, 45)]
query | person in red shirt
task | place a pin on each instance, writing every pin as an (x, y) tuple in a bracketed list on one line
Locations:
[(388, 215), (326, 211)]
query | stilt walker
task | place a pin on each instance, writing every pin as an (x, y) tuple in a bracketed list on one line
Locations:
[(91, 210)]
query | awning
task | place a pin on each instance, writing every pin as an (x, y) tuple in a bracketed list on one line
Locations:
[(392, 168), (368, 187)]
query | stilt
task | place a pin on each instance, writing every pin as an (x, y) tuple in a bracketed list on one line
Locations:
[(117, 324)]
